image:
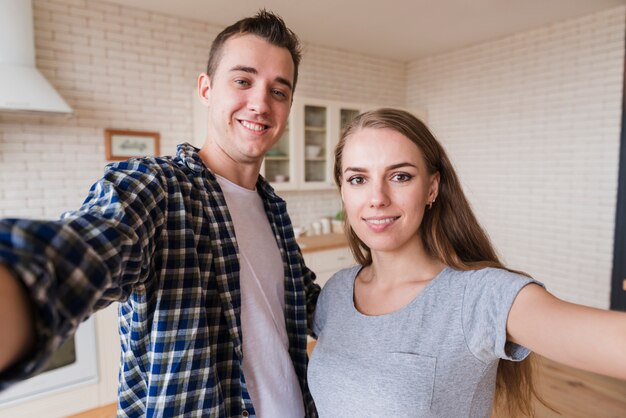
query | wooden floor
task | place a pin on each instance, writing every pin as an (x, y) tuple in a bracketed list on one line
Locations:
[(579, 394), (574, 393), (107, 411)]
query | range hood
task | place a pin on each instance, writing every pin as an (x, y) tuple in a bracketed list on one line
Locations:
[(22, 87)]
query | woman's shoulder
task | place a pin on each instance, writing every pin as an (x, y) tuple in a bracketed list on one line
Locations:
[(488, 274), (344, 277), (492, 280), (341, 281)]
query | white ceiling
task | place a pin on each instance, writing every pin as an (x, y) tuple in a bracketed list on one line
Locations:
[(396, 29)]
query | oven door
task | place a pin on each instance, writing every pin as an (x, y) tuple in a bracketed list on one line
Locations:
[(75, 363)]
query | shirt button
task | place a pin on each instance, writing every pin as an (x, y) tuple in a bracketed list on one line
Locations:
[(245, 414)]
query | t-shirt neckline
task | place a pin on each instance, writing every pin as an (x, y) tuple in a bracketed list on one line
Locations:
[(399, 310)]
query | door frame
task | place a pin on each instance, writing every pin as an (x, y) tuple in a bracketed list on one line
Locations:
[(618, 280)]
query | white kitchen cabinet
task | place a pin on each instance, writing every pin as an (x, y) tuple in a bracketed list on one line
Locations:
[(325, 263), (303, 158)]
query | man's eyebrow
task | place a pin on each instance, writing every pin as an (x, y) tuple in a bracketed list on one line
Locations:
[(285, 82), (245, 69), (252, 70), (391, 167)]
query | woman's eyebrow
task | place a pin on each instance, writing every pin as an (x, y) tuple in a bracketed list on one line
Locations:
[(357, 169), (400, 165), (391, 167)]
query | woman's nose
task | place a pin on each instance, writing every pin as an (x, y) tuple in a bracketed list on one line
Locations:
[(379, 196)]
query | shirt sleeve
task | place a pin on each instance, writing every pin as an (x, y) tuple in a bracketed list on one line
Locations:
[(320, 312), (312, 291), (487, 301), (88, 259)]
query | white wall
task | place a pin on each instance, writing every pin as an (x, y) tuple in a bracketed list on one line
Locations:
[(532, 122)]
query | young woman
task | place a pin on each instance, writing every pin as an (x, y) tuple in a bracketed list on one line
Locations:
[(420, 327)]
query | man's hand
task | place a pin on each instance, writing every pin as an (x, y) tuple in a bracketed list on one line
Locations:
[(17, 329)]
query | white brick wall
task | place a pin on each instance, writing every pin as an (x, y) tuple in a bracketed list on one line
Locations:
[(532, 122), (118, 68), (129, 69)]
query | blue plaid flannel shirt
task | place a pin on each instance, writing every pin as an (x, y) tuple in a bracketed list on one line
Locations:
[(155, 234)]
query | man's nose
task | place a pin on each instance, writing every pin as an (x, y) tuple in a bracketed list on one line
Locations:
[(258, 100)]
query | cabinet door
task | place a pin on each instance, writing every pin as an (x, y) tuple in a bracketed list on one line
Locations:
[(327, 262), (346, 115), (316, 145), (279, 166)]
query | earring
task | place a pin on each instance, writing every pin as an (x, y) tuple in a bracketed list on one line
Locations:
[(430, 204)]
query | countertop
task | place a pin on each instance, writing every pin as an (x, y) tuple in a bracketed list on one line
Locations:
[(322, 242)]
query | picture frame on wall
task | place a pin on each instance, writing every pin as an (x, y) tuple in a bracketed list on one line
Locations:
[(124, 144)]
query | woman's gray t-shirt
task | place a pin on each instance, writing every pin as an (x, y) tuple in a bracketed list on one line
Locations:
[(435, 357)]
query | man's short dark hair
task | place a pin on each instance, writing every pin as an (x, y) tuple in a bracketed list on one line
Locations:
[(265, 25)]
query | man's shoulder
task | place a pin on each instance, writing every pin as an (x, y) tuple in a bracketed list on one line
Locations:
[(185, 161)]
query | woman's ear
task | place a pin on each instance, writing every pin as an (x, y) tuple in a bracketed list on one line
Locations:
[(204, 88), (434, 187)]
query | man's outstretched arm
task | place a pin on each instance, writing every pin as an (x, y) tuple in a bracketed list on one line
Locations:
[(17, 329)]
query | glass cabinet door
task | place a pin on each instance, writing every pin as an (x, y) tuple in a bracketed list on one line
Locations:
[(278, 160), (345, 117), (315, 143), (302, 159)]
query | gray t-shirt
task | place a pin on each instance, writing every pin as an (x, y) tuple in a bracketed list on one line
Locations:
[(435, 357)]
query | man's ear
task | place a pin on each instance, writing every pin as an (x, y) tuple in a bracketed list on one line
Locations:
[(204, 88)]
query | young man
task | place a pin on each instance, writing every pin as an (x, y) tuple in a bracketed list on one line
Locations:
[(197, 248)]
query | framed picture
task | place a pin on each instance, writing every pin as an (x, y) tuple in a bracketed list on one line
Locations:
[(122, 145)]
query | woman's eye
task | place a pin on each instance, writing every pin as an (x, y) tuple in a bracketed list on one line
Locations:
[(356, 180), (401, 177)]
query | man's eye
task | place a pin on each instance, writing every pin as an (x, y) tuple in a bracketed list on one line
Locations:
[(280, 95), (242, 82)]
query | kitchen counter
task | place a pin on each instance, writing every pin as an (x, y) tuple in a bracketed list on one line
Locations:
[(322, 242)]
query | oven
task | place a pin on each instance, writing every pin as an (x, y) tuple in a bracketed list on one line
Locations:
[(74, 364)]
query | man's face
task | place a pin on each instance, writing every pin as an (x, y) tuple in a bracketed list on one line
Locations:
[(249, 98)]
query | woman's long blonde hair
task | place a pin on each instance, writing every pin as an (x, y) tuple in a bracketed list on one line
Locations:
[(451, 233)]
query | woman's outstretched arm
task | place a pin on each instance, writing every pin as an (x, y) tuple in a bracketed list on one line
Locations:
[(578, 336)]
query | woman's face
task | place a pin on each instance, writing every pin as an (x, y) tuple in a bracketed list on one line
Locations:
[(385, 187)]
